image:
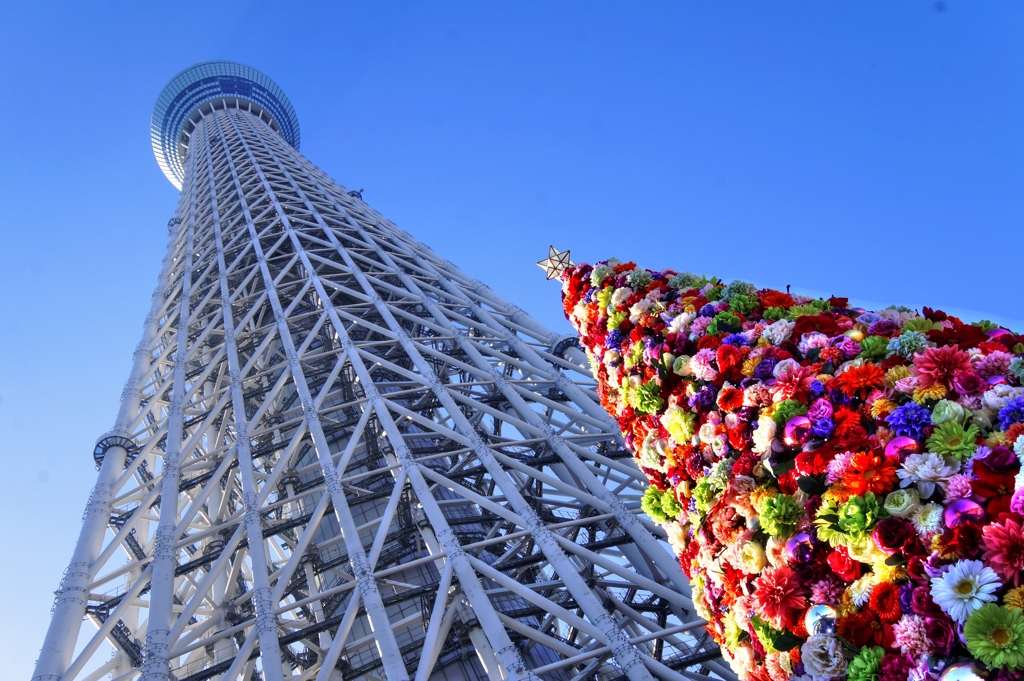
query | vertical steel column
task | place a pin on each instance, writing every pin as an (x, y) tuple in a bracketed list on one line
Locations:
[(156, 665)]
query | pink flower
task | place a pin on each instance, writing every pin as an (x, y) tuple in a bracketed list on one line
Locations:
[(994, 364), (911, 634), (958, 487), (1004, 549), (940, 365), (779, 597), (827, 592)]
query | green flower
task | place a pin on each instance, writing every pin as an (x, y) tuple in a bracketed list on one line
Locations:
[(600, 273), (867, 664), (704, 495), (739, 288), (616, 318), (1017, 363), (604, 297), (813, 308), (635, 354), (908, 343), (687, 280), (774, 314), (660, 506), (639, 279), (713, 294), (680, 424), (646, 397), (951, 439), (743, 304), (859, 514), (724, 321), (946, 410), (779, 515), (766, 633), (921, 324), (874, 348), (995, 635), (786, 410), (826, 522), (985, 325), (681, 365)]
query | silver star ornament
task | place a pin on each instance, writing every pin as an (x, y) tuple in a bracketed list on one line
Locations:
[(556, 262)]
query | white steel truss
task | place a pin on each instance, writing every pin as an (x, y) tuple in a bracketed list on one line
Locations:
[(340, 457)]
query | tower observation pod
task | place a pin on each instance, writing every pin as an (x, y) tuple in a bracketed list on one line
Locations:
[(338, 456)]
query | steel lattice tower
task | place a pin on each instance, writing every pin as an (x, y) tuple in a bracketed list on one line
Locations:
[(338, 456)]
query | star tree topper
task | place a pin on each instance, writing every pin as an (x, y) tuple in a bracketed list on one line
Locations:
[(556, 262)]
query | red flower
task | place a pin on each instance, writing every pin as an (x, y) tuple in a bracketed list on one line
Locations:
[(885, 602), (870, 472), (728, 356), (859, 381), (864, 628), (772, 298), (824, 322), (846, 568), (940, 365), (996, 486), (1004, 547), (709, 343), (779, 597), (848, 427), (964, 335)]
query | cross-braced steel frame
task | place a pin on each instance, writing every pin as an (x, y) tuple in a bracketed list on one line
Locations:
[(338, 456)]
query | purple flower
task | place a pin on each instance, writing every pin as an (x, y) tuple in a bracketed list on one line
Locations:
[(614, 339), (882, 327), (822, 428), (817, 389), (820, 409), (705, 397), (1012, 413), (909, 420), (707, 311), (764, 368)]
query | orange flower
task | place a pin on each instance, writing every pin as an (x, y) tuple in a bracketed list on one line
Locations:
[(860, 381), (870, 472)]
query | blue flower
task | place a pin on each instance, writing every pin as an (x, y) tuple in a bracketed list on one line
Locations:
[(1012, 413), (909, 420), (737, 339)]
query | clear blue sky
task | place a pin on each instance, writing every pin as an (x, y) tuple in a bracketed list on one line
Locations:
[(868, 149)]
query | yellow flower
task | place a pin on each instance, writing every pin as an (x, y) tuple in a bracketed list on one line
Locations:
[(881, 407), (935, 391), (1014, 598), (894, 374), (996, 439), (760, 495), (749, 365)]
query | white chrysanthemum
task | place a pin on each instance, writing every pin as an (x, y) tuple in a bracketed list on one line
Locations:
[(860, 590), (620, 296), (764, 436), (964, 588), (778, 332), (926, 470), (639, 309), (681, 323), (927, 520)]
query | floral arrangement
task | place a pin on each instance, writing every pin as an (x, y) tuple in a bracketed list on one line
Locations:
[(842, 487)]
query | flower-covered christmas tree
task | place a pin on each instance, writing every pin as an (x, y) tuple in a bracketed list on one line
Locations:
[(843, 487)]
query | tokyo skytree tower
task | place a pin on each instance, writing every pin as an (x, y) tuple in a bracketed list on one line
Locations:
[(337, 456)]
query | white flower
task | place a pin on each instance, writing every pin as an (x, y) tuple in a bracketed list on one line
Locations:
[(680, 323), (639, 309), (964, 588), (786, 366), (779, 332), (860, 590), (620, 296), (927, 520), (996, 398), (926, 470), (823, 657), (902, 503), (764, 436)]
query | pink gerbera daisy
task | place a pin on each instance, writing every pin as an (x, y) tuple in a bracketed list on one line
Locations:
[(779, 597), (940, 365), (1004, 549)]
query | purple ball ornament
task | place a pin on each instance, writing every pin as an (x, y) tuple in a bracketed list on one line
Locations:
[(997, 333), (997, 380), (797, 430), (898, 446), (799, 548), (962, 511)]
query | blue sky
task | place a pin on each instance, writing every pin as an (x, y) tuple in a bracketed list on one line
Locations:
[(867, 149)]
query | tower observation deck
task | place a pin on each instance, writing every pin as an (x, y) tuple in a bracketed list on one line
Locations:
[(338, 456)]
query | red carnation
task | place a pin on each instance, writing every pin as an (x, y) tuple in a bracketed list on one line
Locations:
[(846, 568)]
